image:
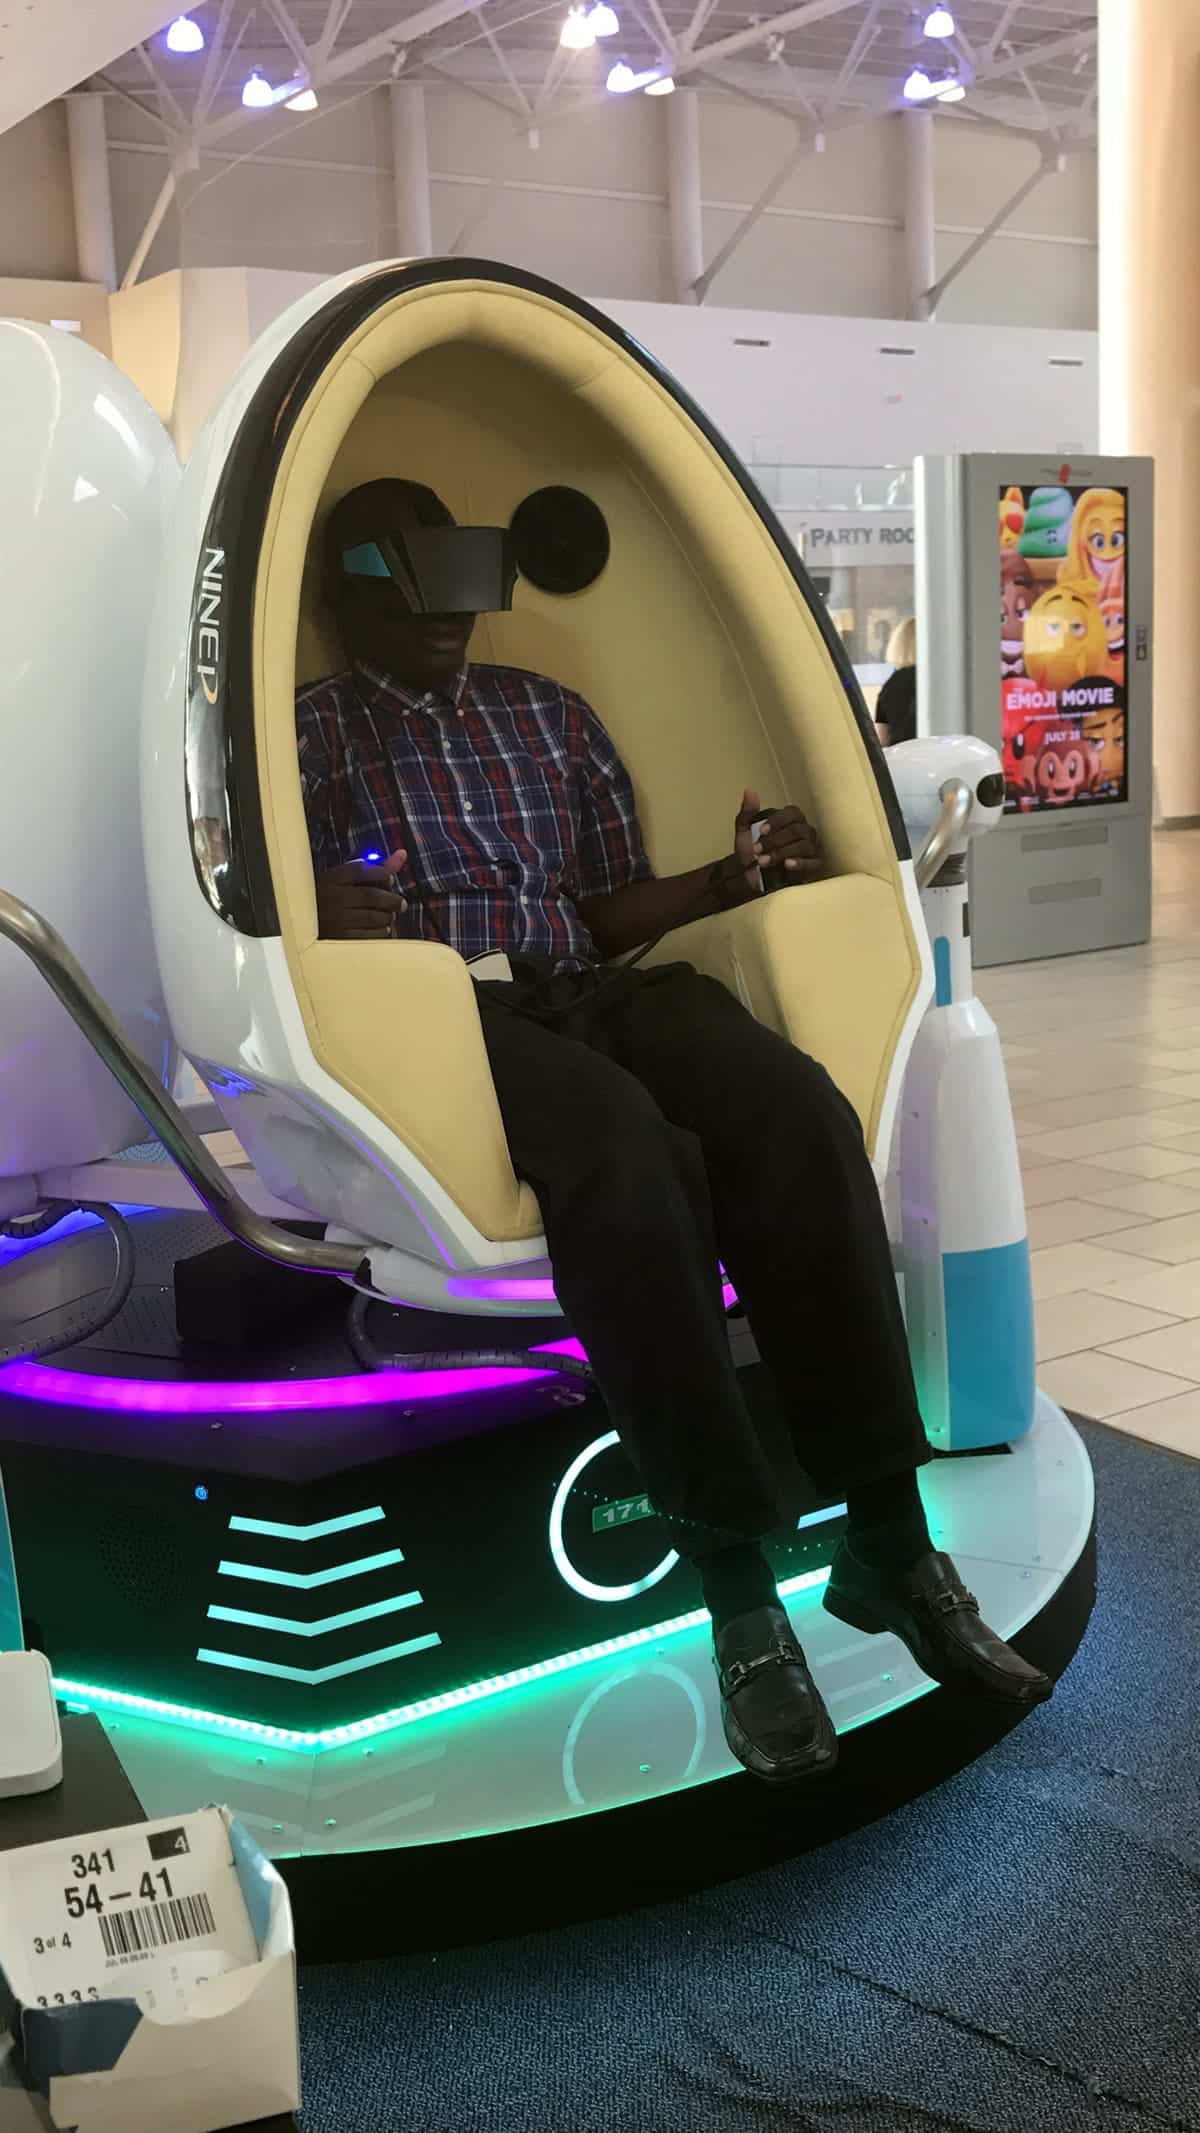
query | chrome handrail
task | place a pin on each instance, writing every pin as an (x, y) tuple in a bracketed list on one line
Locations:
[(67, 979), (956, 798)]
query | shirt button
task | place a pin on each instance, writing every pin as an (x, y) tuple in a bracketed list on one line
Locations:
[(467, 808)]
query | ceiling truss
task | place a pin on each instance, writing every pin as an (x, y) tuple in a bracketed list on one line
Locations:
[(824, 65)]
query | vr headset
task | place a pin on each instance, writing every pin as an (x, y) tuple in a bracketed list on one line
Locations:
[(440, 570)]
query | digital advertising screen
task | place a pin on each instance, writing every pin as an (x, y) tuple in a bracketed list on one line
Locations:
[(1062, 646)]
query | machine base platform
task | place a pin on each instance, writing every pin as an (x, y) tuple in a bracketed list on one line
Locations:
[(429, 1645), (605, 1783)]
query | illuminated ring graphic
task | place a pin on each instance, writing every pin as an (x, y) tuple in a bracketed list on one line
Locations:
[(665, 1672), (565, 1567)]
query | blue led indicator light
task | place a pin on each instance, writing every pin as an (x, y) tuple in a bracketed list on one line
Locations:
[(200, 1493)]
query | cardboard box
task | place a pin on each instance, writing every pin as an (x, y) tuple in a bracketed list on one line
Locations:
[(148, 1978)]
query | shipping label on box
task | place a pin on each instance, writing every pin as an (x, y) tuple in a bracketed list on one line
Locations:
[(149, 1975), (144, 1914)]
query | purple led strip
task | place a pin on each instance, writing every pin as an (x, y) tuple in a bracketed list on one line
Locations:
[(381, 1388)]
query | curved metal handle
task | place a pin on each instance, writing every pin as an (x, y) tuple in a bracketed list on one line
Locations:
[(956, 798), (47, 950)]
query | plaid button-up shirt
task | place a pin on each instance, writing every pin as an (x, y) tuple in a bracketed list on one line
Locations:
[(507, 794)]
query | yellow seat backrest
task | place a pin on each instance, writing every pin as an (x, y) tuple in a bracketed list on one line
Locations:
[(695, 646)]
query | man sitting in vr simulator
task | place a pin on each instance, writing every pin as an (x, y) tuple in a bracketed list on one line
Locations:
[(663, 1129)]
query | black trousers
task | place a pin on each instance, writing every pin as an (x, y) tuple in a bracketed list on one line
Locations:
[(663, 1130)]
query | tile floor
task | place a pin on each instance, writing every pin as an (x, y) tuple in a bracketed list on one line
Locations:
[(1103, 1057)]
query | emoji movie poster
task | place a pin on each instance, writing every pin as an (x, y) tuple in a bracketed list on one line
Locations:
[(1062, 630)]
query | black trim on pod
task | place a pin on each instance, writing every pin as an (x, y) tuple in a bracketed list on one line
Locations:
[(225, 818)]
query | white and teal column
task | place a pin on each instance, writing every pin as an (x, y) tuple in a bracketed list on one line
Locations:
[(964, 1248)]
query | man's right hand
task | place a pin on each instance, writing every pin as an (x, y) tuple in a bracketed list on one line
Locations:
[(360, 901)]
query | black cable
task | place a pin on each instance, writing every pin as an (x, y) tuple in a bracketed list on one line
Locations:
[(370, 1357), (84, 1321), (46, 1215)]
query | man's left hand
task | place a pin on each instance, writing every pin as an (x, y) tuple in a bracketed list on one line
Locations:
[(789, 846)]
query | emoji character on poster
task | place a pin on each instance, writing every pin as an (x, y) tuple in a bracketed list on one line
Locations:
[(1018, 762), (1065, 769), (1112, 607), (1113, 612), (1064, 637), (1018, 592), (1097, 544), (1012, 519), (1103, 732), (1045, 539)]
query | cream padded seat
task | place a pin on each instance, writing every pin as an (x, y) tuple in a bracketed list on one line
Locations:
[(695, 646)]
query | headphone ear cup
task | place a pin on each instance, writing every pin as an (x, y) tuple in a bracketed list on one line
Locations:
[(560, 540)]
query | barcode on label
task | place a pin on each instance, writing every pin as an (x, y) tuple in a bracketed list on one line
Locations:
[(157, 1925)]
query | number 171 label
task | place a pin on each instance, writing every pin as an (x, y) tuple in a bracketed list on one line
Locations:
[(624, 1512)]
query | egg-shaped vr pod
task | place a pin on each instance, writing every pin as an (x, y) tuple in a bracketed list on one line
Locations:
[(355, 1073), (397, 1610)]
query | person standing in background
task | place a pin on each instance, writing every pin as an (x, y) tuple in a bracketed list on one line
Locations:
[(896, 707)]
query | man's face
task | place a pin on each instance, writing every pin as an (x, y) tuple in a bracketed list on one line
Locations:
[(419, 651)]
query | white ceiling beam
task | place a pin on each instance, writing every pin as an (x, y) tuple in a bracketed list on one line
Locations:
[(761, 103), (1046, 163), (335, 20), (1031, 90), (429, 70), (290, 34), (501, 56), (867, 32), (213, 70), (135, 103), (996, 40), (805, 146), (662, 26), (435, 16), (700, 14), (172, 108), (796, 18), (1037, 55), (150, 230)]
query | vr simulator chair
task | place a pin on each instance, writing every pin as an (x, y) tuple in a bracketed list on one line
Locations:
[(655, 582)]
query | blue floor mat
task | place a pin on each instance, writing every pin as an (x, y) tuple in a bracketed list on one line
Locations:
[(1017, 1952)]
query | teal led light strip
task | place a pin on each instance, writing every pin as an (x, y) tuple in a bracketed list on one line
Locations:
[(313, 1677), (12, 1633), (327, 1623), (308, 1581), (85, 1696), (271, 1530)]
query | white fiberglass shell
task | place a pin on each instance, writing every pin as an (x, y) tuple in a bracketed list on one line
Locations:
[(89, 473)]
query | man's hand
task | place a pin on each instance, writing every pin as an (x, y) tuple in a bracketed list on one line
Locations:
[(789, 845), (360, 901)]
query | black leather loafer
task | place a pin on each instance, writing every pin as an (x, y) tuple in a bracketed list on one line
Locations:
[(930, 1610), (771, 1708)]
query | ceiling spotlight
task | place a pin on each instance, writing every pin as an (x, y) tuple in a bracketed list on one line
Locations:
[(306, 101), (603, 20), (185, 35), (664, 86), (917, 87), (577, 34), (621, 78), (952, 93), (939, 22), (257, 92)]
